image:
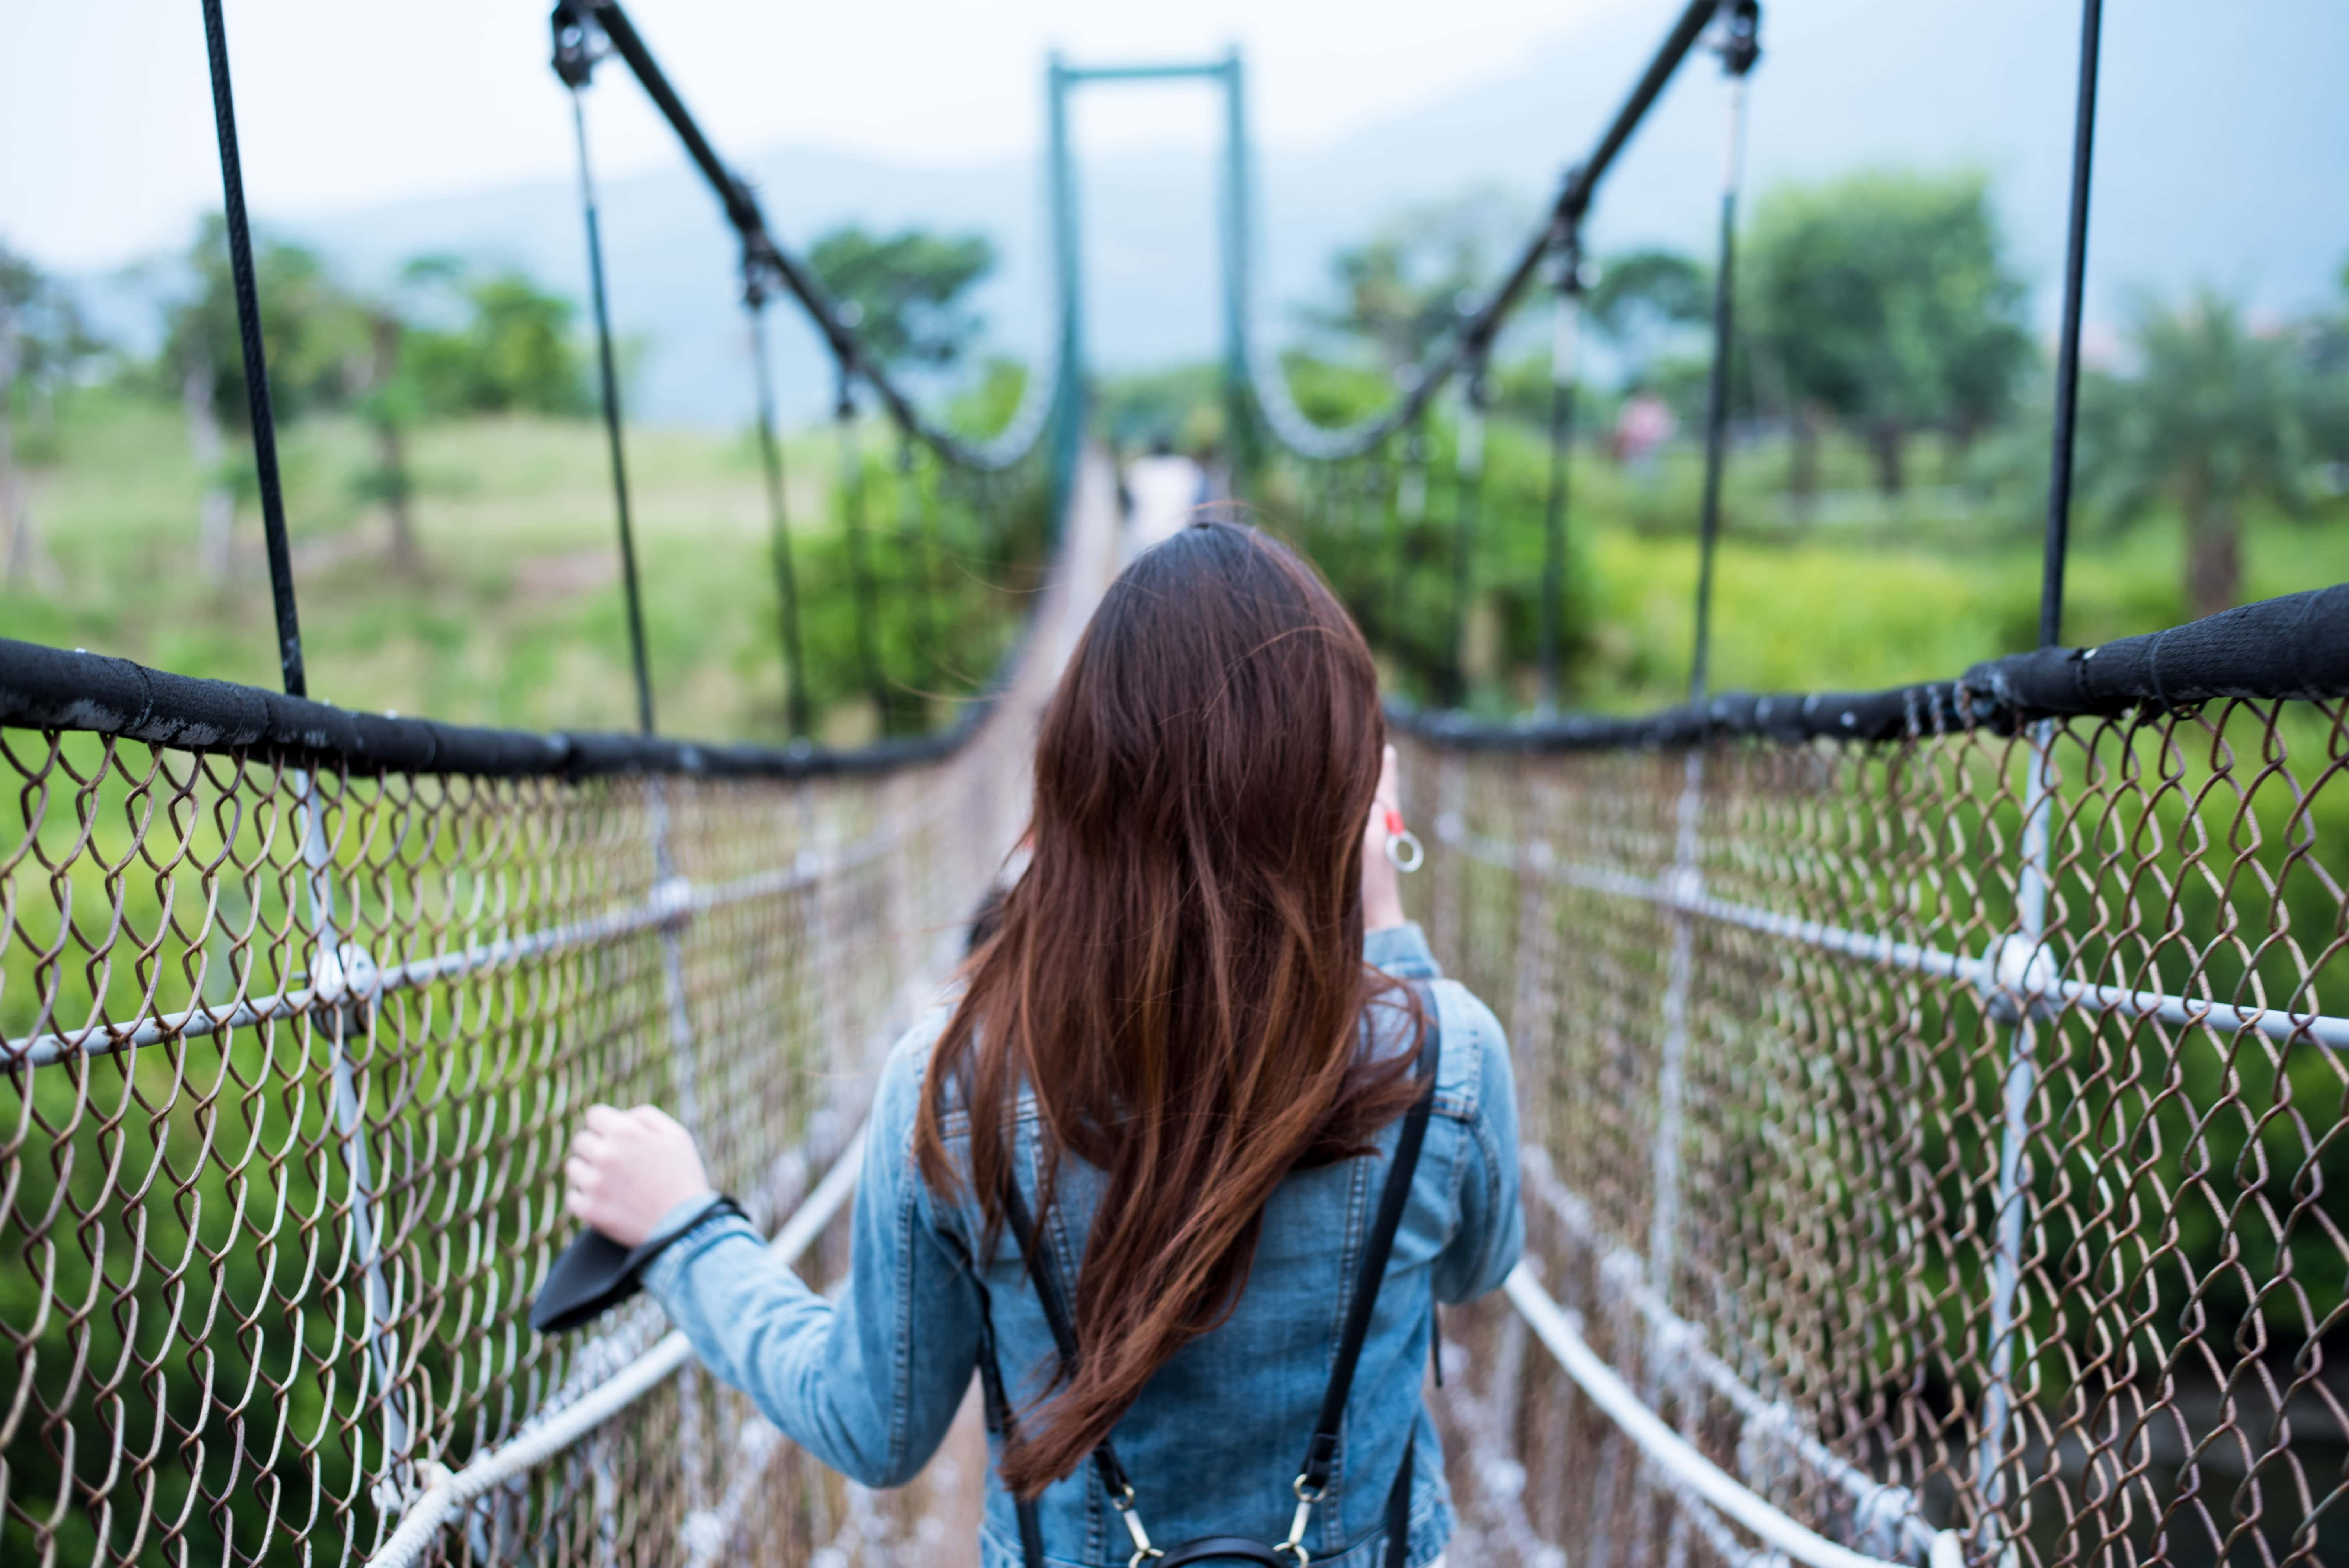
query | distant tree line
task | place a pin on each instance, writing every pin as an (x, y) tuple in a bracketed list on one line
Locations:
[(1884, 306)]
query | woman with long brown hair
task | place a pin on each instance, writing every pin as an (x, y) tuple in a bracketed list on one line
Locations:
[(1183, 1169)]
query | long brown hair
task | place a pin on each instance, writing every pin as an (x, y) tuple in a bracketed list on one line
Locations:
[(1178, 975)]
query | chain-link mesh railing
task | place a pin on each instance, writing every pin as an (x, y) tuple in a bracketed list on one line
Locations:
[(1943, 1130), (300, 1010)]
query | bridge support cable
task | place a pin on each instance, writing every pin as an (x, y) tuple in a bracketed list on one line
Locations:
[(1467, 501), (1238, 247), (1564, 349), (258, 406), (2068, 343), (1477, 336), (854, 521), (1072, 407), (915, 548), (771, 465), (574, 63), (2019, 1090), (1740, 47), (835, 326)]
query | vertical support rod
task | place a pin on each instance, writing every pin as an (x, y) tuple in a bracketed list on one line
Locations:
[(2023, 967), (350, 977), (1069, 416), (770, 459), (1686, 884), (256, 369), (1562, 372), (914, 544), (2067, 350), (1468, 494), (1716, 411), (608, 374), (1410, 511), (1236, 248), (860, 561), (674, 894)]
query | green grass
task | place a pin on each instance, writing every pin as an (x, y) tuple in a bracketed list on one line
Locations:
[(517, 617), (1868, 593)]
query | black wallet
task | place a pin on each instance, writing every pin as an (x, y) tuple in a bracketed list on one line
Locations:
[(595, 1273)]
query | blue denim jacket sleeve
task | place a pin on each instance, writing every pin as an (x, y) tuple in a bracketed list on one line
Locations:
[(1481, 1253), (868, 1386)]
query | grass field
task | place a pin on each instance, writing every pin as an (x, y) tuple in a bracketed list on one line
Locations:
[(516, 619)]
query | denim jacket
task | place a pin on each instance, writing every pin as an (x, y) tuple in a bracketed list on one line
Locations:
[(1214, 1441)]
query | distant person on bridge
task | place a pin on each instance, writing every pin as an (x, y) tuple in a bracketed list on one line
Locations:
[(1184, 1166), (1166, 490)]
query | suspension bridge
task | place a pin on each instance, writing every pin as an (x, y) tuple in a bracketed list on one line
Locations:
[(1933, 1123)]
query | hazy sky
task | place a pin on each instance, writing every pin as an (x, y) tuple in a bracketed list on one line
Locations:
[(106, 136)]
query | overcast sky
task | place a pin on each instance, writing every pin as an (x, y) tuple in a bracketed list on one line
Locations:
[(106, 138)]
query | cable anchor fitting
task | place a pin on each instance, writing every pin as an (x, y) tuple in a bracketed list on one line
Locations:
[(578, 42), (1740, 37)]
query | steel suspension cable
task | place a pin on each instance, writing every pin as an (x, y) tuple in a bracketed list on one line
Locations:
[(1474, 338), (1467, 500), (771, 460), (1563, 349), (913, 545), (1041, 393), (1740, 47), (574, 63), (860, 564), (262, 415), (1410, 509), (2067, 352)]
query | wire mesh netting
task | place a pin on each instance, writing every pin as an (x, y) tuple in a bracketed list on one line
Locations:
[(1945, 1133), (293, 1060)]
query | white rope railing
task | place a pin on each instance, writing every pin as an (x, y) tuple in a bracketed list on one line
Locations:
[(446, 1492), (1689, 1473), (1622, 1272), (348, 974), (2013, 974)]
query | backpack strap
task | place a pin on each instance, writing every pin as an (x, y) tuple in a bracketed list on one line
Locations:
[(1321, 1454), (1045, 1271)]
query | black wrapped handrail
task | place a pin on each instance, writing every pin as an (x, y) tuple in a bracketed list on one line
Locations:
[(2294, 648), (62, 689)]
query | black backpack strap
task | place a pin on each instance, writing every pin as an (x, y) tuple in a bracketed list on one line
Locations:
[(1399, 1504), (997, 1406), (1321, 1456), (996, 1402), (1054, 1300), (1313, 1479)]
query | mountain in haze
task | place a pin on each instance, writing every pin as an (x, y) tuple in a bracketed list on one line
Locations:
[(2220, 157)]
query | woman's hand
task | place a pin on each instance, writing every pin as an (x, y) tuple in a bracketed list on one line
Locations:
[(627, 1169), (1382, 887)]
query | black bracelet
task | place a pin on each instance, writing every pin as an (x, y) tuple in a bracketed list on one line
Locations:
[(595, 1273)]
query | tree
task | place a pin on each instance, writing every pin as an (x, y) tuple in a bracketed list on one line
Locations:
[(1406, 288), (2209, 422), (311, 337), (1644, 299), (1885, 300), (905, 290), (509, 347), (2323, 369), (42, 341)]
